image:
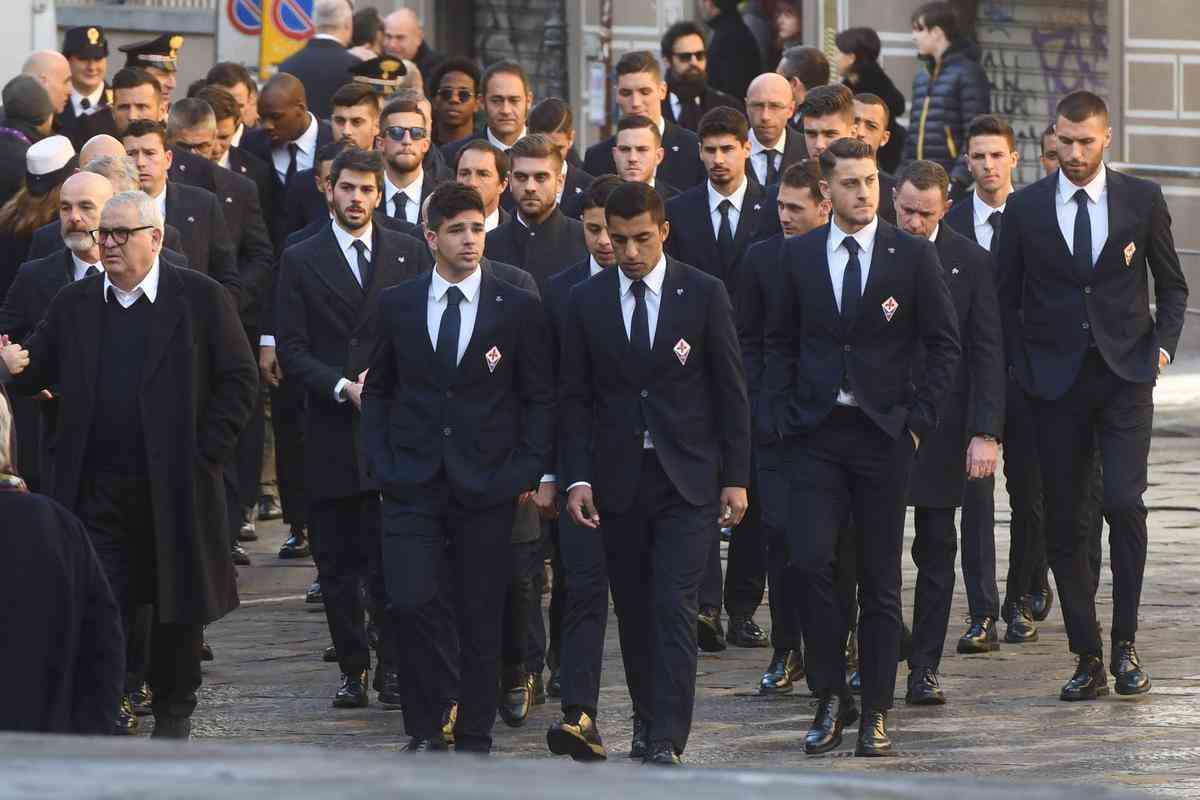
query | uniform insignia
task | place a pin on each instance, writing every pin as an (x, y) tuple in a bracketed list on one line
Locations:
[(400, 259), (679, 292), (228, 199), (191, 219), (954, 271), (675, 148), (492, 357), (891, 249), (889, 308), (183, 167), (758, 206), (682, 349), (499, 298), (578, 190), (93, 36), (1130, 249), (176, 43), (387, 67)]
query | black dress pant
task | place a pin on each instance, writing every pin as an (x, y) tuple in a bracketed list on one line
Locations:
[(584, 578), (346, 549), (774, 500), (117, 512), (656, 552), (1100, 409), (849, 466), (477, 567), (933, 550), (746, 570), (978, 526), (558, 600), (523, 601), (712, 584), (536, 632), (289, 405)]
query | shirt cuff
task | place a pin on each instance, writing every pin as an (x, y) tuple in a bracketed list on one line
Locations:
[(579, 483), (337, 390), (549, 478), (1165, 353), (266, 341)]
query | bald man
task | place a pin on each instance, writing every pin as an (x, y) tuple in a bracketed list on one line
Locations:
[(774, 145), (404, 38), (323, 65), (101, 145), (53, 71)]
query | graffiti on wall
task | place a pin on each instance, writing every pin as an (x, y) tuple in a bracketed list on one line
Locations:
[(531, 32)]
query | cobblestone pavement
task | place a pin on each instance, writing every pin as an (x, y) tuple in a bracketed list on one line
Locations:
[(1003, 719)]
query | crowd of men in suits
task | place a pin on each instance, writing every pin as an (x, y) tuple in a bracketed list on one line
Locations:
[(794, 345)]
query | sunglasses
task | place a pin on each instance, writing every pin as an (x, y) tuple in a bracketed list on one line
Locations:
[(119, 235), (462, 95), (396, 132), (698, 55)]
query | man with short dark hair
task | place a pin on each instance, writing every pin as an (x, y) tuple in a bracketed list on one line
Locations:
[(805, 68), (655, 426), (354, 117), (1048, 145), (404, 140), (485, 168), (553, 119), (691, 97), (829, 113), (507, 98), (235, 78), (455, 96), (1082, 343)]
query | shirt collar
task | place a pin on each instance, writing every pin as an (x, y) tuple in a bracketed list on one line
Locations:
[(1094, 187), (413, 190), (500, 144), (865, 237), (236, 141), (93, 98), (81, 266), (346, 241), (594, 267), (469, 286), (492, 220), (148, 286), (982, 210), (307, 141), (653, 280), (662, 125), (715, 197), (933, 236), (757, 147), (224, 162), (160, 200)]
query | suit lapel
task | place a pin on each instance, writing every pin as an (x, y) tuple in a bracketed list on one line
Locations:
[(486, 315), (1120, 220), (881, 261), (1050, 202), (166, 313), (91, 329), (748, 218), (331, 267), (823, 278), (668, 309)]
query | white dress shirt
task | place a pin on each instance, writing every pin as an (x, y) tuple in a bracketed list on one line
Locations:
[(838, 257), (492, 221), (412, 212), (468, 308), (758, 155), (491, 137), (81, 267), (983, 228), (307, 144), (595, 269), (93, 101), (346, 242), (563, 173), (236, 140), (148, 287), (160, 201), (1065, 207), (735, 213)]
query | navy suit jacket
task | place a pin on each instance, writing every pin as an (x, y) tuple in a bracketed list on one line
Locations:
[(961, 217), (199, 216), (285, 212), (758, 287), (692, 240), (541, 251), (694, 404), (1051, 312), (323, 66), (794, 151), (681, 165)]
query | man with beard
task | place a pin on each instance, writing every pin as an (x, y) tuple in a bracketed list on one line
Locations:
[(642, 92), (828, 116), (329, 288), (404, 140), (552, 118), (507, 98), (455, 94), (485, 168), (774, 146), (690, 96)]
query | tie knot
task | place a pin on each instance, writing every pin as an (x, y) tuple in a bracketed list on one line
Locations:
[(360, 246), (454, 296), (995, 218), (724, 206), (638, 288), (90, 271), (1081, 196), (85, 103), (851, 245)]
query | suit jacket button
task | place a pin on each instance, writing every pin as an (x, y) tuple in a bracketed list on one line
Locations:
[(446, 431), (644, 393), (1086, 326), (1087, 290), (354, 342)]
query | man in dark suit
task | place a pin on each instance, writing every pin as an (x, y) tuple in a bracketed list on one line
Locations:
[(829, 116), (552, 118), (507, 98), (323, 65), (485, 168), (651, 350), (158, 352), (838, 374), (86, 49), (774, 146), (642, 92), (802, 208), (712, 225), (1074, 256), (327, 315), (691, 97), (539, 238), (404, 140), (970, 422), (804, 68), (235, 159), (458, 428)]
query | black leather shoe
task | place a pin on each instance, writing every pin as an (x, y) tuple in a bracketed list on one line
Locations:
[(981, 637), (662, 754), (537, 690), (834, 712), (1088, 682), (330, 655), (127, 721), (389, 691), (269, 508), (854, 682), (923, 688), (1040, 603), (744, 632), (313, 596), (418, 745), (515, 702), (239, 555), (1126, 667), (172, 728), (778, 677), (449, 718), (576, 735), (554, 685), (246, 533), (1021, 627), (296, 545), (641, 738), (206, 651), (711, 635), (873, 740), (353, 692), (140, 699)]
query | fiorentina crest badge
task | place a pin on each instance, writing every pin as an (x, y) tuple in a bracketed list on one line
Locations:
[(1130, 249), (682, 348), (889, 308), (492, 357)]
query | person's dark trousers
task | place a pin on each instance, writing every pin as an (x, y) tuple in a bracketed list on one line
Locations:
[(746, 567), (289, 403), (523, 599), (584, 577), (558, 599), (656, 552), (774, 501), (933, 550), (712, 585), (137, 646), (345, 548), (1098, 407), (117, 511), (535, 624), (478, 568), (249, 458), (845, 574), (978, 526), (849, 466)]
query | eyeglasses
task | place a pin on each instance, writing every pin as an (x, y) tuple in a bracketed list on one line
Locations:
[(697, 55), (462, 95), (396, 132), (119, 235)]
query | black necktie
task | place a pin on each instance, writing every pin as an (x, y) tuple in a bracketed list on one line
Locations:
[(1083, 236), (725, 234), (772, 170), (851, 283), (996, 219), (364, 263), (90, 271), (84, 103), (293, 154), (447, 338), (639, 336), (400, 206)]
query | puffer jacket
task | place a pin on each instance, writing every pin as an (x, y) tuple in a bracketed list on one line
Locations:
[(945, 98)]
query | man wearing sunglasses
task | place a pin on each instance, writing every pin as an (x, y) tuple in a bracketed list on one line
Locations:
[(455, 100), (507, 98), (404, 140), (691, 96)]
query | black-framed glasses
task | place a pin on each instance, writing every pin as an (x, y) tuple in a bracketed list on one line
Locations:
[(396, 132), (462, 95), (193, 147), (695, 55), (118, 235)]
